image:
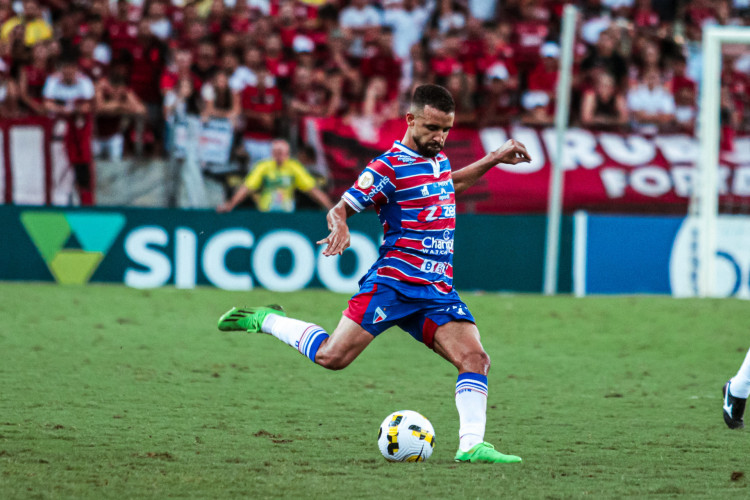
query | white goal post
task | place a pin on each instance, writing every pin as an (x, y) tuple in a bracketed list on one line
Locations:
[(704, 204), (562, 113)]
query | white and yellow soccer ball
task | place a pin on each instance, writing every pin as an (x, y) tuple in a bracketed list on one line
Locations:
[(406, 436)]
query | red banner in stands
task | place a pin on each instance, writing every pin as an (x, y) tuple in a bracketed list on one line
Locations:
[(604, 171)]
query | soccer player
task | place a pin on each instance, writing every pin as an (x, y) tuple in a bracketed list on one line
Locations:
[(411, 284), (735, 396)]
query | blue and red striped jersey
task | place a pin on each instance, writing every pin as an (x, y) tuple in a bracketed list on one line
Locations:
[(415, 201)]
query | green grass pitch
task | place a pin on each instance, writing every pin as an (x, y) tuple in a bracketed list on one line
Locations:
[(110, 392)]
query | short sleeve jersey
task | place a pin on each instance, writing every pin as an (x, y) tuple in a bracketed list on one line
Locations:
[(56, 89), (276, 184), (415, 202)]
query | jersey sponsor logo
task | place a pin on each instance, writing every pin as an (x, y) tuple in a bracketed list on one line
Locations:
[(377, 188), (365, 180), (444, 194), (435, 212), (425, 190), (406, 159), (379, 315), (436, 246), (431, 266)]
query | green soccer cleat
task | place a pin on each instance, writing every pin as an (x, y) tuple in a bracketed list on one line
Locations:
[(249, 319), (485, 453)]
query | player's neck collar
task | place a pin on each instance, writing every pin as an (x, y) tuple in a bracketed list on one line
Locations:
[(406, 149)]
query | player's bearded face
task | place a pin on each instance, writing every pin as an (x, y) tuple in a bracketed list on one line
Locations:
[(430, 130)]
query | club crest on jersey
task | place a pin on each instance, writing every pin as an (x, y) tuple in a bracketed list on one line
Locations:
[(365, 180), (379, 315)]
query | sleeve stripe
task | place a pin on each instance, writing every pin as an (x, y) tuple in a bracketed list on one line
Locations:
[(352, 202)]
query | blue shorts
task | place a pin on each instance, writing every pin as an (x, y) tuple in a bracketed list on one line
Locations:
[(377, 307)]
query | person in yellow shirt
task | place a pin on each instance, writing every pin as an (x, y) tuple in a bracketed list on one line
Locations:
[(272, 183), (35, 28)]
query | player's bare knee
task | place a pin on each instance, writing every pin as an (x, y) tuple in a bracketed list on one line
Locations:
[(476, 362)]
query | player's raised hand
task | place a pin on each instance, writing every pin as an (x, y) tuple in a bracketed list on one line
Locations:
[(339, 239), (511, 153)]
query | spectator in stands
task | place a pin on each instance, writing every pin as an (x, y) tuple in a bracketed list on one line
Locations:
[(117, 108), (604, 107), (686, 110), (90, 65), (357, 22), (450, 16), (181, 68), (644, 16), (146, 63), (262, 104), (204, 63), (9, 96), (530, 33), (31, 80), (310, 95), (246, 75), (465, 113), (604, 58), (407, 20), (651, 106), (181, 101), (538, 110), (482, 10), (377, 108), (35, 29), (381, 61), (445, 58), (158, 21), (122, 30), (219, 100), (646, 58), (543, 78), (68, 96), (280, 66), (272, 183), (500, 101)]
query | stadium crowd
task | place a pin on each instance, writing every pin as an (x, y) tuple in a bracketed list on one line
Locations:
[(134, 65)]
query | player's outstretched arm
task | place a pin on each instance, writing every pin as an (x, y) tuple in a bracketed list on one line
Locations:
[(338, 239), (511, 153)]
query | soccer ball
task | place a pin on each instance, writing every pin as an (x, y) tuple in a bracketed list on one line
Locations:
[(406, 436)]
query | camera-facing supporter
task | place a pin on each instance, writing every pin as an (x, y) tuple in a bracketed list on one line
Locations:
[(29, 26), (9, 95), (117, 110), (31, 80), (603, 57), (219, 100), (262, 106), (499, 104), (68, 97), (465, 113), (407, 20), (359, 22), (650, 104), (603, 106), (93, 67)]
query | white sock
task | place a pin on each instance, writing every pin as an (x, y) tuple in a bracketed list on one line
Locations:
[(305, 337), (740, 386), (471, 402)]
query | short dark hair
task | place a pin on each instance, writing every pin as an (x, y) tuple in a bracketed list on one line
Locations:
[(434, 96)]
